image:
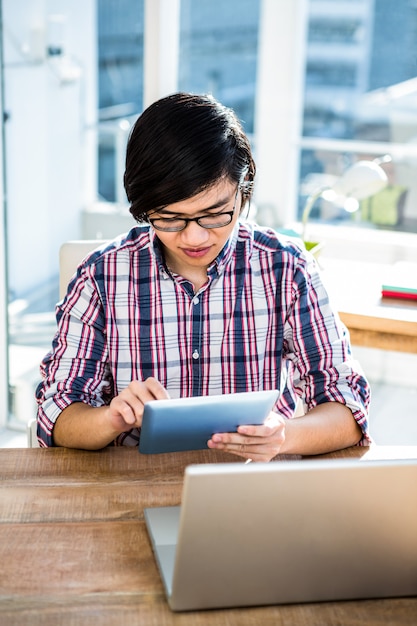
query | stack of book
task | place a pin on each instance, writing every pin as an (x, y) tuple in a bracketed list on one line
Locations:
[(401, 281)]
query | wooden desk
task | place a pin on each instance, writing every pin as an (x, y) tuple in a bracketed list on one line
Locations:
[(74, 547), (373, 321)]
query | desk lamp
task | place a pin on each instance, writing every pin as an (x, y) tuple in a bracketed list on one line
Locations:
[(359, 181)]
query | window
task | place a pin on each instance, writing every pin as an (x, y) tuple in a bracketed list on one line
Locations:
[(360, 102), (331, 74), (120, 85), (218, 52), (336, 30)]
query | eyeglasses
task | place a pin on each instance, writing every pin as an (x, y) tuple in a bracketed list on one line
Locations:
[(176, 224)]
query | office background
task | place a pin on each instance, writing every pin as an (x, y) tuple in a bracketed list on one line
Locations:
[(316, 83)]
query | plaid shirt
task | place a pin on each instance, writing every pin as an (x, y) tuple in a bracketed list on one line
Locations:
[(262, 321)]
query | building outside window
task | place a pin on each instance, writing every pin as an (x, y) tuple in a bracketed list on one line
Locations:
[(360, 102), (120, 82)]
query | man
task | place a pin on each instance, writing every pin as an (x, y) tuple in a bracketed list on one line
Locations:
[(194, 301)]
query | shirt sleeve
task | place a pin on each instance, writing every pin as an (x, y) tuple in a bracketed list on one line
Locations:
[(319, 356), (76, 369)]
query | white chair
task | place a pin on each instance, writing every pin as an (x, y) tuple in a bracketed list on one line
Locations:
[(32, 437), (71, 254)]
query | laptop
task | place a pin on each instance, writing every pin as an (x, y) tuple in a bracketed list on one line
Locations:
[(175, 425), (288, 532)]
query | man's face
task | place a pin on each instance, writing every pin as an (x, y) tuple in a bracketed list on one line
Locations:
[(195, 247)]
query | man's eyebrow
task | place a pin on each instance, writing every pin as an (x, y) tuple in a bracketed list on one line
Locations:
[(217, 205)]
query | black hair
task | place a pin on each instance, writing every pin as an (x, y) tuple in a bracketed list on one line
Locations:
[(182, 145)]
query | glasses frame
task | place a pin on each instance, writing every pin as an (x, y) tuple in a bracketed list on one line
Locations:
[(186, 220)]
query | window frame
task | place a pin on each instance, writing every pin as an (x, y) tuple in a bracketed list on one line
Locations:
[(4, 346)]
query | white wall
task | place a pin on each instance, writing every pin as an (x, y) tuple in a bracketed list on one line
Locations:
[(3, 287), (50, 101)]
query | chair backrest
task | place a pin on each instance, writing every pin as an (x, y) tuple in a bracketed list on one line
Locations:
[(32, 437), (71, 254)]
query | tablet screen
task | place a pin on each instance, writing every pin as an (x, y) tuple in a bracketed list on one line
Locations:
[(188, 423)]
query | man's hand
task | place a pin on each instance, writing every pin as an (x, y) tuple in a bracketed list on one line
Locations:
[(91, 428), (125, 411), (257, 443), (327, 427)]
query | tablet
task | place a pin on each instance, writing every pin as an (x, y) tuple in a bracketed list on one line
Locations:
[(188, 423)]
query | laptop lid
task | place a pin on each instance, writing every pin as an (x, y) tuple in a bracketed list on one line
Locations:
[(291, 532)]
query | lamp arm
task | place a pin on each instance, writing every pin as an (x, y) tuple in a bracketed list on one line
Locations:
[(307, 208)]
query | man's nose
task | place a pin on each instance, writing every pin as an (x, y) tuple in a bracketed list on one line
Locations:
[(194, 234)]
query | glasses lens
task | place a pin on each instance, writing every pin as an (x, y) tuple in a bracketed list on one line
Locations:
[(169, 225), (215, 221)]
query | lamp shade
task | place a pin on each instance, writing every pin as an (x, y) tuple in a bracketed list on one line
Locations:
[(361, 180)]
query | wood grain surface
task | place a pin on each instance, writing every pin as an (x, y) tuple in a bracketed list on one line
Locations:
[(74, 548)]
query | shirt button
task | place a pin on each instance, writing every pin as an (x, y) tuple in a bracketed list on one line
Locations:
[(195, 354), (196, 300)]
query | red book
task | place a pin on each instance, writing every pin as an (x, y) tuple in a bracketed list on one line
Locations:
[(401, 281)]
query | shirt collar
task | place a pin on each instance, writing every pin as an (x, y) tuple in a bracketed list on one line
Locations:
[(217, 267), (156, 250)]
